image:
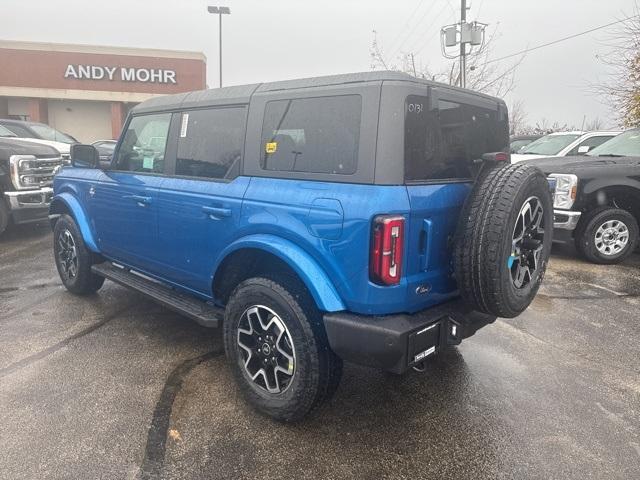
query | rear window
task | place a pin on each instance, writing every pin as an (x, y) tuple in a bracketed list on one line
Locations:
[(441, 143), (210, 142), (313, 135)]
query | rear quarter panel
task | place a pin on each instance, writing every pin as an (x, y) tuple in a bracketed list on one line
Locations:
[(332, 223)]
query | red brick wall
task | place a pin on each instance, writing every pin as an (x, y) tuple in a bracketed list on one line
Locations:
[(46, 69)]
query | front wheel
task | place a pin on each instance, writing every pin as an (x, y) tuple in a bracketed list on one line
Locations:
[(73, 259), (275, 341), (606, 235)]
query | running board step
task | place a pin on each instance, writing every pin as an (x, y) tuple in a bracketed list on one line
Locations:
[(204, 313)]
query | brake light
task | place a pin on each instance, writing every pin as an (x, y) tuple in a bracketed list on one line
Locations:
[(496, 157), (385, 265)]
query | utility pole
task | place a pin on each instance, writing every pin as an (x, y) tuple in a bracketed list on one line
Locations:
[(219, 11), (463, 45), (462, 34)]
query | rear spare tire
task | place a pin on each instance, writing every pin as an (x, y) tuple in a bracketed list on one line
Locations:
[(503, 239)]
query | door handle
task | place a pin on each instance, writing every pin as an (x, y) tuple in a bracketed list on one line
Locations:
[(217, 212), (141, 199)]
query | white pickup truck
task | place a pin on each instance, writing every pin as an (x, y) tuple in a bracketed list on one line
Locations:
[(561, 144)]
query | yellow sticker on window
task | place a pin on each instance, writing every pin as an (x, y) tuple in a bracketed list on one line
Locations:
[(271, 147)]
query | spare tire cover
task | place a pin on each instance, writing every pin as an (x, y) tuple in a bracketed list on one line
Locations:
[(503, 239)]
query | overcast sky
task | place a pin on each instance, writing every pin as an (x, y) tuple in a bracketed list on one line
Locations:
[(282, 39)]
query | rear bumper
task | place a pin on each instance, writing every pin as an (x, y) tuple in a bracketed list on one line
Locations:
[(29, 205), (396, 343)]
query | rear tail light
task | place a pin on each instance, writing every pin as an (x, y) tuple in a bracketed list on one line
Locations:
[(385, 266), (496, 157)]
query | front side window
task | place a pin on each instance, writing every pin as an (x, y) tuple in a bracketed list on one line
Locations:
[(144, 143), (591, 142), (210, 142), (312, 135), (442, 143)]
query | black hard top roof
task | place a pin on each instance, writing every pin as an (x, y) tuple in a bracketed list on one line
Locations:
[(242, 94)]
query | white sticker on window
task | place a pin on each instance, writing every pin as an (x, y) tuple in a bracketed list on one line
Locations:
[(185, 124), (147, 163)]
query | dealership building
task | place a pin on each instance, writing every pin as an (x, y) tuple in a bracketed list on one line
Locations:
[(86, 91)]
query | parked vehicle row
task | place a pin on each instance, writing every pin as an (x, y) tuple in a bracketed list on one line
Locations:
[(597, 198), (371, 218), (562, 144)]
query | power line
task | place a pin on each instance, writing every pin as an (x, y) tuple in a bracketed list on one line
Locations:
[(431, 36), (406, 24), (537, 47), (416, 25)]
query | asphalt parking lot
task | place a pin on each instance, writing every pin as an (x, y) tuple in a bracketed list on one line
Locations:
[(113, 386)]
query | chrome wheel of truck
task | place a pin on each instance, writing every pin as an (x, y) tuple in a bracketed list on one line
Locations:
[(611, 237), (607, 235), (267, 349), (528, 242)]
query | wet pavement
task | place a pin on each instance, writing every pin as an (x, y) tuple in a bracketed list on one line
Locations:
[(113, 386)]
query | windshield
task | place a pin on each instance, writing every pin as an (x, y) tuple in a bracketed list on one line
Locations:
[(45, 132), (549, 145), (626, 144), (5, 132), (517, 145)]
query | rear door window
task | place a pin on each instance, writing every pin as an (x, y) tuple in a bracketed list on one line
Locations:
[(591, 142), (441, 143), (313, 135), (210, 142)]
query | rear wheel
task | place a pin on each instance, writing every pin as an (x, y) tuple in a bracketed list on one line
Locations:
[(73, 259), (503, 239), (275, 341), (606, 235)]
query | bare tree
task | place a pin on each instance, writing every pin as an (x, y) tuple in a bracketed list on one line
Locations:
[(621, 88), (518, 119), (594, 124), (484, 75)]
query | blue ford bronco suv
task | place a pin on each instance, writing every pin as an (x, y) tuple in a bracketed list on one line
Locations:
[(372, 218)]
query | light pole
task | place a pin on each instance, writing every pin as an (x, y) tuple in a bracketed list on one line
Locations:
[(220, 11)]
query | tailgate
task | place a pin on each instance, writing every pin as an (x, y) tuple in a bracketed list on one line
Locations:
[(432, 223)]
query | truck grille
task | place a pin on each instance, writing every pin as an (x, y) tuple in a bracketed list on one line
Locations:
[(36, 172)]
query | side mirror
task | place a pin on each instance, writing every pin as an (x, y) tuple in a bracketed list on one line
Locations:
[(84, 156), (582, 149)]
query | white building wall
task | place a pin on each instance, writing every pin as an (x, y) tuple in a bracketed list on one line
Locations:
[(85, 120)]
